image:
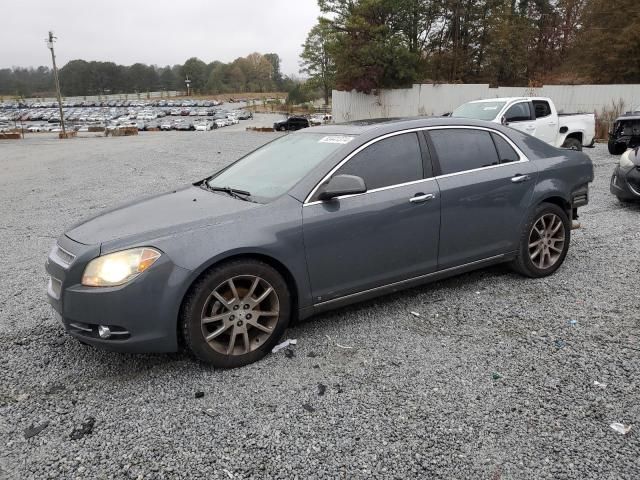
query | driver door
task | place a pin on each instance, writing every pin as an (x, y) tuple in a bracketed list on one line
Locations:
[(520, 117), (390, 233)]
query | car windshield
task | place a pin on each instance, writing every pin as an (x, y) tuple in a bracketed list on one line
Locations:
[(273, 169), (479, 110)]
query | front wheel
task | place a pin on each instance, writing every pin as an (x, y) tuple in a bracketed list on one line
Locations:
[(572, 144), (236, 313), (616, 148), (544, 242)]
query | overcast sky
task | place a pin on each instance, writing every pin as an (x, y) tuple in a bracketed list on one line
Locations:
[(161, 32)]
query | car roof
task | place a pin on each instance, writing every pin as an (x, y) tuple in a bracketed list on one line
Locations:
[(380, 126), (500, 99)]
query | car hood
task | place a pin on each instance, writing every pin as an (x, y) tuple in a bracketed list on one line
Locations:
[(159, 215)]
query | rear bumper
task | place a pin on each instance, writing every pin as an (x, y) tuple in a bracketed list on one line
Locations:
[(142, 314), (625, 183)]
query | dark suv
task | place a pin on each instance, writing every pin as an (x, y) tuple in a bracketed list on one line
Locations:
[(625, 133), (291, 123)]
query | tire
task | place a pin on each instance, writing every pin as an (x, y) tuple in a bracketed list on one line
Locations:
[(616, 148), (529, 264), (572, 144), (623, 200), (230, 347)]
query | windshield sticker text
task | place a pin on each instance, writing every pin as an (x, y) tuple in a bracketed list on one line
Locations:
[(335, 139)]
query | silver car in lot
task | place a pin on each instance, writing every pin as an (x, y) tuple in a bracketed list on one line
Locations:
[(313, 221)]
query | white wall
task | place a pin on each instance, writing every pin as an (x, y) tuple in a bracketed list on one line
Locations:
[(429, 99)]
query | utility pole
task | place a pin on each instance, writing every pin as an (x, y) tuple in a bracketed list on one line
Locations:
[(50, 41)]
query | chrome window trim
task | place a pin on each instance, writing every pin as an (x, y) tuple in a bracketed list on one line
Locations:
[(521, 155)]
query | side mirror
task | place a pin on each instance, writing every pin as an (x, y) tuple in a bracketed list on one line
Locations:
[(342, 185), (504, 121)]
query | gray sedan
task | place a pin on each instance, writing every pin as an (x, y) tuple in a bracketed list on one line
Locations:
[(309, 222)]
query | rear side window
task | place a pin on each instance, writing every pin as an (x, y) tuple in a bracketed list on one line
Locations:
[(388, 162), (459, 149), (519, 112), (542, 109), (506, 153)]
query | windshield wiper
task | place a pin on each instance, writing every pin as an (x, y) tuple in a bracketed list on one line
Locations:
[(233, 192)]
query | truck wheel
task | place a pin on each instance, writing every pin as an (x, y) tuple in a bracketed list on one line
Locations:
[(572, 144), (236, 313), (544, 242)]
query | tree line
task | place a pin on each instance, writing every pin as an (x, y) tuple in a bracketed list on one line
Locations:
[(370, 44), (254, 73)]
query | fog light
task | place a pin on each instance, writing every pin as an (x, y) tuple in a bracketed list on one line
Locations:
[(104, 332)]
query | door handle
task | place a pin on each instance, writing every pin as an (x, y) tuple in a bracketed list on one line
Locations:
[(520, 178), (421, 198)]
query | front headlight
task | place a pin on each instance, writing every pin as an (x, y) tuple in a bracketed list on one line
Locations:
[(118, 268)]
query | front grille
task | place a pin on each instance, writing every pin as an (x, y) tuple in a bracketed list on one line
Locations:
[(634, 185)]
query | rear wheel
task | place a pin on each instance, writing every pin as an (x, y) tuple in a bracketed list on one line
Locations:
[(544, 242), (236, 313), (572, 144)]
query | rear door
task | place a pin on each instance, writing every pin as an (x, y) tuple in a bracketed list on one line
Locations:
[(486, 188), (546, 121), (390, 233)]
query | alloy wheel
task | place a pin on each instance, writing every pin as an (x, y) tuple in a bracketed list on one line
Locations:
[(546, 241), (240, 315)]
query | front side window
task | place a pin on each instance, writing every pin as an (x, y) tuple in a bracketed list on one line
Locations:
[(275, 168), (519, 112), (387, 162), (460, 149)]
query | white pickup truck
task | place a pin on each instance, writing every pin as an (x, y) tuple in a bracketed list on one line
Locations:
[(536, 116)]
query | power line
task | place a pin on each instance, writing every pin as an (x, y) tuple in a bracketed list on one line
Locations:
[(50, 41)]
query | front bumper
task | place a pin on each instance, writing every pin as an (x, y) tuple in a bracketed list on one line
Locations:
[(625, 183), (142, 314)]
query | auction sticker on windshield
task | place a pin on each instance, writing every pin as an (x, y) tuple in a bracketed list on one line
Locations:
[(335, 139)]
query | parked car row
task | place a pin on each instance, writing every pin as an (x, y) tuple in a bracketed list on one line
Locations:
[(112, 103), (105, 114), (142, 119)]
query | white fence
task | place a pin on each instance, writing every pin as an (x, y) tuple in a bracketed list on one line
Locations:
[(428, 99)]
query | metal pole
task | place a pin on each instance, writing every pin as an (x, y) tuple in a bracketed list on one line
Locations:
[(55, 76)]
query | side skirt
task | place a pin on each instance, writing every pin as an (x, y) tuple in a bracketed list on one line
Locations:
[(401, 285)]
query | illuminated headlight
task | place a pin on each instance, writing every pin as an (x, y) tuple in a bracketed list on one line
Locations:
[(118, 268), (625, 159)]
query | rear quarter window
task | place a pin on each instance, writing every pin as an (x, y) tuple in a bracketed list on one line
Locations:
[(506, 153)]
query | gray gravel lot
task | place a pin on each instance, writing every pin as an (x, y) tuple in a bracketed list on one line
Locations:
[(492, 380)]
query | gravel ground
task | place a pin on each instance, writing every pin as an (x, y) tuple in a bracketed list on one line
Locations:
[(494, 379)]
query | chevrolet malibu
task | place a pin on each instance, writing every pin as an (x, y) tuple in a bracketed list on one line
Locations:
[(309, 222)]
